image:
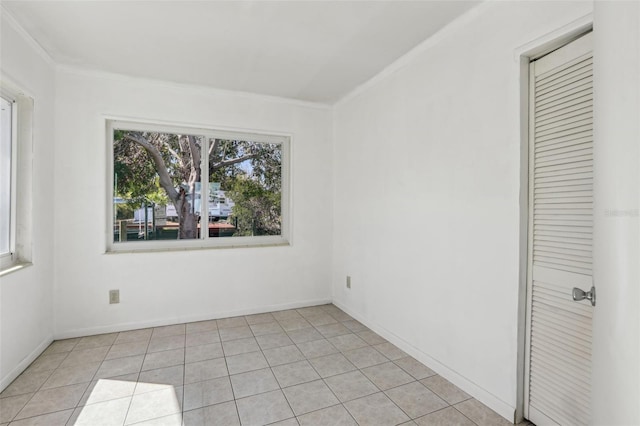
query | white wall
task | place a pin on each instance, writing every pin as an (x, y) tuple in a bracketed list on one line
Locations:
[(168, 287), (616, 321), (26, 312), (426, 202)]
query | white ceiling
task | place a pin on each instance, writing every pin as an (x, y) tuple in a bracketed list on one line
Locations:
[(308, 50)]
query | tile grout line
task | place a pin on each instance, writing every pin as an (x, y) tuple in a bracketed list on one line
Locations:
[(271, 369), (124, 421), (341, 403), (470, 419), (304, 319), (34, 393), (323, 379), (364, 375), (184, 372), (39, 388)]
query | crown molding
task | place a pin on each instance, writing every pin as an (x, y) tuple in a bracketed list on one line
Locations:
[(8, 18)]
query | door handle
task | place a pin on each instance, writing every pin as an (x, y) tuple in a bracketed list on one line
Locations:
[(579, 294)]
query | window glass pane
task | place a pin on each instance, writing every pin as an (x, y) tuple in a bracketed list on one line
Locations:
[(5, 177), (157, 186), (245, 190)]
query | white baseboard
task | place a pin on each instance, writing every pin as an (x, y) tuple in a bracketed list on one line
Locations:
[(113, 328), (18, 369), (479, 393)]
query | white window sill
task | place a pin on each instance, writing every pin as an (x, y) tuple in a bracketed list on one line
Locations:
[(9, 269), (230, 243)]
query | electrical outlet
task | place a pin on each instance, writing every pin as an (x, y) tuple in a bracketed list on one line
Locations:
[(114, 296), (348, 281)]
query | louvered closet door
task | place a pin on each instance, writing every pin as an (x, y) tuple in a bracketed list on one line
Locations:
[(560, 236)]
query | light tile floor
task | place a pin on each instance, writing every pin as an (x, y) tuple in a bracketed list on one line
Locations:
[(309, 366)]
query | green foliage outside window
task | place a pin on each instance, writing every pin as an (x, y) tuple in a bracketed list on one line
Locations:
[(164, 169)]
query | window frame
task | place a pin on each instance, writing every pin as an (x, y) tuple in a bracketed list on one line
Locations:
[(204, 242), (8, 259), (21, 180)]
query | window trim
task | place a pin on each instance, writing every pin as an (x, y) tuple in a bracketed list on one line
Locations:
[(204, 242)]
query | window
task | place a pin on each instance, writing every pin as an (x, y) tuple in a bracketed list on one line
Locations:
[(16, 111), (6, 181), (175, 187)]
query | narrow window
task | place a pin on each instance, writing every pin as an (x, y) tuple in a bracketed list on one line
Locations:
[(16, 143), (6, 169)]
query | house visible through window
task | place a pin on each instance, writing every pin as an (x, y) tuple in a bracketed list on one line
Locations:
[(184, 187)]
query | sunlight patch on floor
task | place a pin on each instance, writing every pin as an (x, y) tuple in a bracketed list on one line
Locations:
[(123, 402)]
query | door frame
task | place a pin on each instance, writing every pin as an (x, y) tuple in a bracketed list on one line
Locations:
[(524, 55)]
